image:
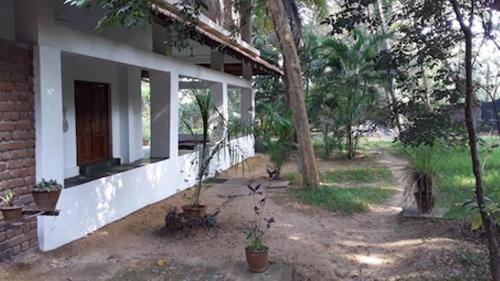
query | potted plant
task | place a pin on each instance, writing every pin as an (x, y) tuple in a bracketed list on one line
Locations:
[(423, 174), (10, 212), (221, 141), (46, 194), (257, 253)]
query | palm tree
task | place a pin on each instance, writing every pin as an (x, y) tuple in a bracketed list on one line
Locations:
[(349, 82)]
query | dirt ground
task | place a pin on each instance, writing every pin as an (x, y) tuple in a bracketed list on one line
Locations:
[(321, 245)]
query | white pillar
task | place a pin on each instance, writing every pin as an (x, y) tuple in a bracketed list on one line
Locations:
[(218, 91), (164, 114), (49, 150), (247, 105), (134, 114), (174, 115)]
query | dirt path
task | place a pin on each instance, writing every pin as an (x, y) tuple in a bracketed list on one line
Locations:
[(321, 245)]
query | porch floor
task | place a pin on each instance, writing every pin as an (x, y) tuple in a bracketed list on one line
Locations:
[(109, 171)]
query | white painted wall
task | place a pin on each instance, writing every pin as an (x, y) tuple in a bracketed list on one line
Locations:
[(126, 123), (90, 206), (7, 25)]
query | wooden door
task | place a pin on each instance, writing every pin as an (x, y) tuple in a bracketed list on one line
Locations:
[(92, 122)]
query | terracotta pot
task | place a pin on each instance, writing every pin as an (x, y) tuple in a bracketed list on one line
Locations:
[(12, 214), (46, 201), (194, 212), (257, 261), (425, 202)]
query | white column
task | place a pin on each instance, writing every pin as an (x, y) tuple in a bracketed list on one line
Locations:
[(218, 92), (174, 115), (49, 151), (247, 105), (134, 113), (164, 114)]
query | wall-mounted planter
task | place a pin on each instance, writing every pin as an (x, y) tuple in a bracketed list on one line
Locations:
[(46, 200), (12, 214)]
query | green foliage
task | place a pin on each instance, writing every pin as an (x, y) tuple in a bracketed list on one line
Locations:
[(346, 86), (432, 128), (215, 140), (47, 186), (456, 181), (146, 112), (259, 224), (346, 200), (140, 13), (8, 198), (358, 175), (424, 159), (349, 190), (275, 133)]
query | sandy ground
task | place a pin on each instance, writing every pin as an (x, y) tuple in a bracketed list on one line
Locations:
[(377, 245)]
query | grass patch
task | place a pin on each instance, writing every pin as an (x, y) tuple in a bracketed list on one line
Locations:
[(358, 175), (356, 197), (293, 178), (456, 181), (345, 200)]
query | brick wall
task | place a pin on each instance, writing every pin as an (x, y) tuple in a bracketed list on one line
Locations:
[(17, 142)]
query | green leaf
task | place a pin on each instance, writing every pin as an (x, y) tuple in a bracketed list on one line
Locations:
[(477, 221)]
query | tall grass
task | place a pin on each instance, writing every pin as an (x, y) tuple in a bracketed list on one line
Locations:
[(456, 181)]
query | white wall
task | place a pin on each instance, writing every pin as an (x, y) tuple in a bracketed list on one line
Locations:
[(123, 109), (7, 26), (90, 206)]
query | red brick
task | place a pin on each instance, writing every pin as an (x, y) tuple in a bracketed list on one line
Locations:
[(25, 245), (10, 116), (23, 125), (17, 140), (7, 126), (29, 162), (14, 183), (16, 250), (21, 87), (6, 87), (6, 106), (5, 136), (13, 164)]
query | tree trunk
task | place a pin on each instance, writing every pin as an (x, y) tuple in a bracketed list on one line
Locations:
[(293, 75), (350, 145), (488, 223)]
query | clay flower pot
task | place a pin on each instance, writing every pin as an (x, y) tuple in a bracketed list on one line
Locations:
[(257, 261), (194, 212), (46, 200), (12, 214)]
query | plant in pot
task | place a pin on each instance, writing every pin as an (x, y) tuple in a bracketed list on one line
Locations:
[(11, 213), (257, 253), (280, 146), (423, 172), (46, 194), (214, 141)]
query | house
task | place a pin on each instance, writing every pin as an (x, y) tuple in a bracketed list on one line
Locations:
[(70, 110)]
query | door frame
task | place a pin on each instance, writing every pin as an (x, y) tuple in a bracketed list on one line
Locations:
[(107, 85)]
